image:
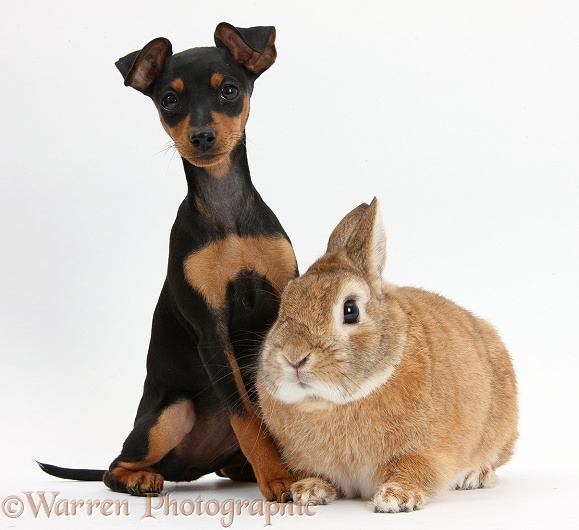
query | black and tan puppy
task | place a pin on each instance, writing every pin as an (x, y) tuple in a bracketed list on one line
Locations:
[(229, 260)]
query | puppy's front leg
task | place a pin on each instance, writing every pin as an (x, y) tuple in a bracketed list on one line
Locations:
[(273, 479)]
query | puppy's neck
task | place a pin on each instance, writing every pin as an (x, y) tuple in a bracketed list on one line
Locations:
[(222, 193)]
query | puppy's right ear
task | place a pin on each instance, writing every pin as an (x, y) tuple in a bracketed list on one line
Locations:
[(142, 68)]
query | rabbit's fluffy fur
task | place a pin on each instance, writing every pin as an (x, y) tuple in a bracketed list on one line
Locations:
[(405, 397)]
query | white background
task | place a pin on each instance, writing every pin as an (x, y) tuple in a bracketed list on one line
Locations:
[(463, 117)]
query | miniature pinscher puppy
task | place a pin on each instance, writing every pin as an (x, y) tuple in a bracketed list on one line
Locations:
[(229, 260)]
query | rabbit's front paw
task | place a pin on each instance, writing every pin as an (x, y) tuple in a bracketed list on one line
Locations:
[(315, 490), (392, 498), (476, 478)]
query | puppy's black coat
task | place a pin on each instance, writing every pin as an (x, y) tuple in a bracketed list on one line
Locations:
[(229, 260)]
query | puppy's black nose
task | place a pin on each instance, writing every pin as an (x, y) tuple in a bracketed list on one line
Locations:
[(203, 139)]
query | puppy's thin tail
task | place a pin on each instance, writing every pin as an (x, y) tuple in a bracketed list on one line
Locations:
[(72, 474)]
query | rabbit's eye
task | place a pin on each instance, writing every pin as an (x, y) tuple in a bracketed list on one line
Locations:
[(351, 312)]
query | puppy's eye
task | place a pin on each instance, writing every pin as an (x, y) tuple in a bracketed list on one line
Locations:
[(229, 92), (169, 101), (351, 312)]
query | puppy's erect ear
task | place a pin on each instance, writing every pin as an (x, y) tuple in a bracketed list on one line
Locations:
[(252, 48), (141, 68), (361, 234)]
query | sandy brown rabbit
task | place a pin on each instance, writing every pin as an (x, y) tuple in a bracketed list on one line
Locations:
[(389, 393)]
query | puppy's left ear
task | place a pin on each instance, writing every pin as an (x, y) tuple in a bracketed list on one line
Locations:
[(252, 48)]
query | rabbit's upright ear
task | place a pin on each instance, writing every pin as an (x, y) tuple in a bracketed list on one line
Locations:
[(361, 234), (339, 237)]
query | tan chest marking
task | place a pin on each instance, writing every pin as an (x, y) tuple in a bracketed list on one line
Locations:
[(211, 268)]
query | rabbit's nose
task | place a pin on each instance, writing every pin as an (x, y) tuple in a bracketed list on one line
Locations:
[(298, 364), (301, 362), (298, 375)]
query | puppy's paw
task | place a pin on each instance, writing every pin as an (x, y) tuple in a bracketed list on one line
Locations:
[(277, 490), (314, 490), (393, 498), (138, 483)]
